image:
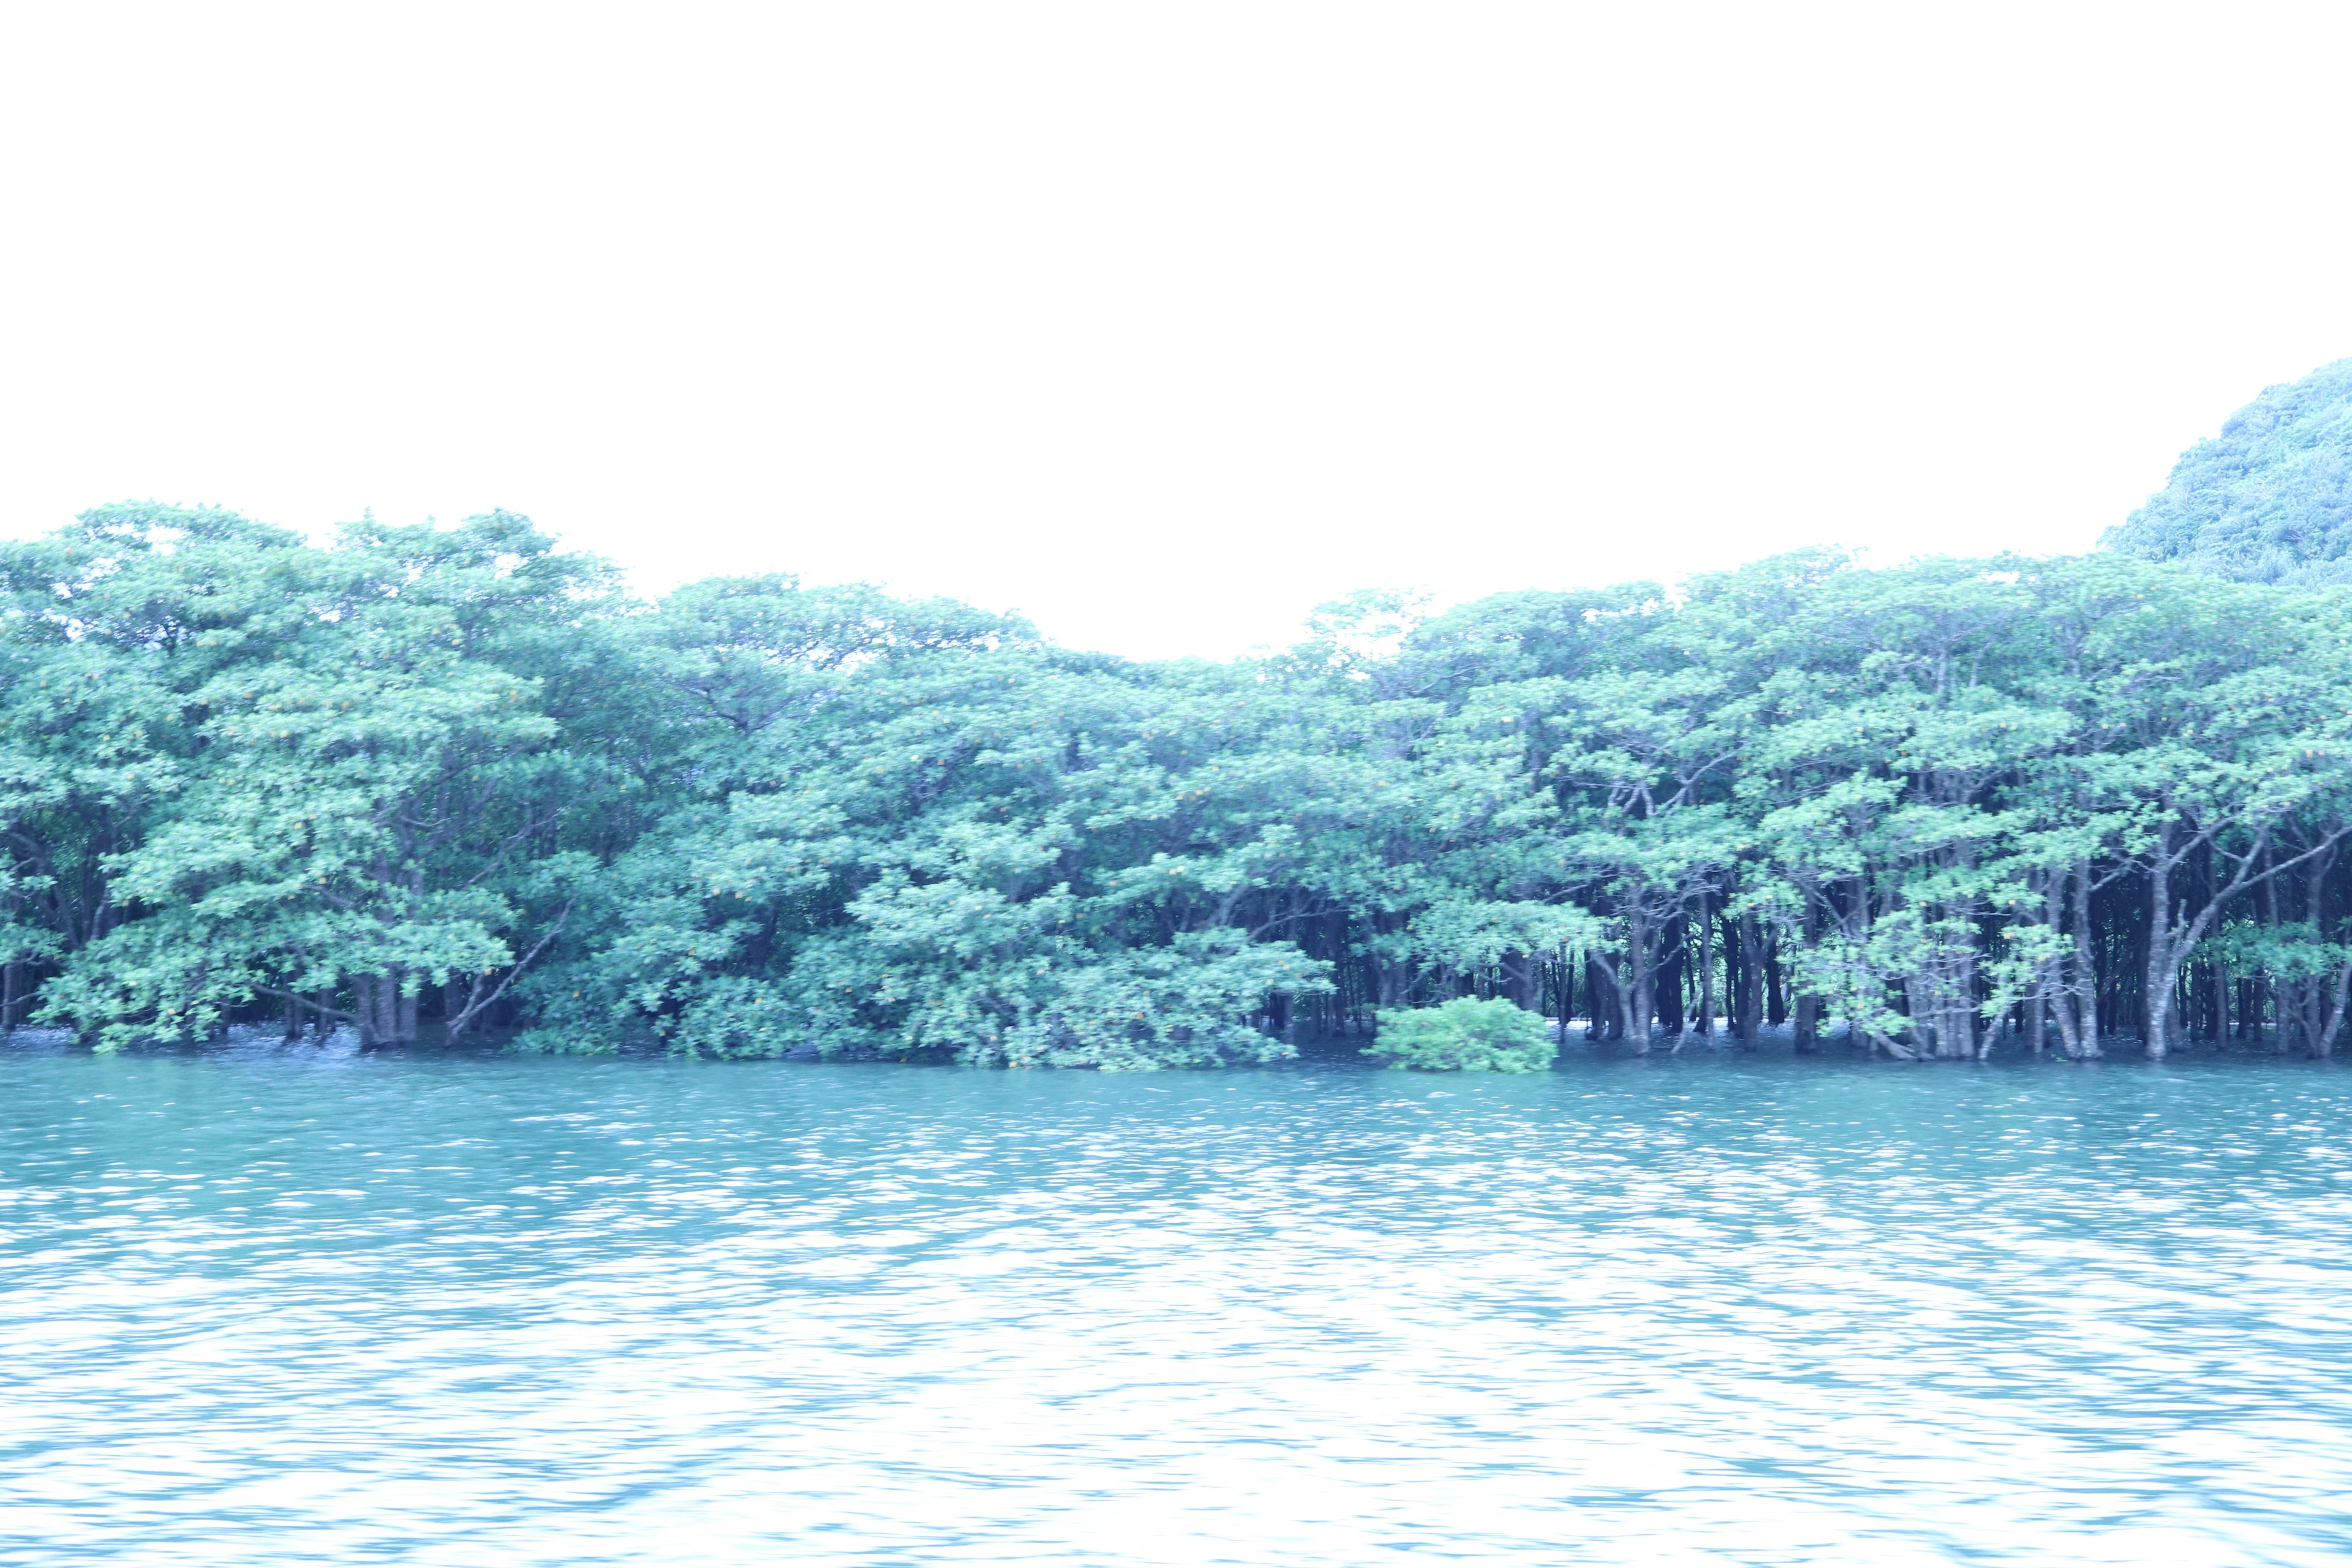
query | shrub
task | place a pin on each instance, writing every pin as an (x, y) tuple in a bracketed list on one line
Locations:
[(1464, 1033)]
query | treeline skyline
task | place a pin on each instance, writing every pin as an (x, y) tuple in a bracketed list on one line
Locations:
[(456, 782)]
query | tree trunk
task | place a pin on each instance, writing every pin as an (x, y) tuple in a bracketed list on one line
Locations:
[(2162, 969), (1598, 983), (1668, 985), (1731, 977), (1751, 979), (1806, 1006), (1705, 972), (2325, 1044), (1636, 987), (1806, 1028), (2086, 968)]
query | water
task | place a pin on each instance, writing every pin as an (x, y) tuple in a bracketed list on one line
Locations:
[(263, 1307)]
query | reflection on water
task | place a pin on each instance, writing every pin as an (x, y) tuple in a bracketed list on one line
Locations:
[(271, 1308)]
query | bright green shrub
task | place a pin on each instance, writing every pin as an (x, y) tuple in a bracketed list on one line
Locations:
[(1464, 1033)]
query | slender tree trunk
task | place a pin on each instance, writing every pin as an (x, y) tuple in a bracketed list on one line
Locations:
[(2086, 965), (1806, 1007), (1732, 979), (2266, 902), (2325, 1044), (1706, 971), (2161, 966), (1668, 983), (2056, 1001), (1751, 977)]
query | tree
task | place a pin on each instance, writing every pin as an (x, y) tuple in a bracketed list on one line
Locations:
[(358, 811)]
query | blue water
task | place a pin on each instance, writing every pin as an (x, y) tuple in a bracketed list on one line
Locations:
[(263, 1307)]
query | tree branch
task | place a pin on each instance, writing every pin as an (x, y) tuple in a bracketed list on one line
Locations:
[(475, 1003)]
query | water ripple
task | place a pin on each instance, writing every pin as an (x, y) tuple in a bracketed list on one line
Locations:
[(274, 1307)]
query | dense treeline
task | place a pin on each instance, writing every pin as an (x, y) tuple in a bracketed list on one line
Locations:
[(456, 784)]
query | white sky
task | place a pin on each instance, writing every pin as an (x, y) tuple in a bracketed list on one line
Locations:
[(1163, 323)]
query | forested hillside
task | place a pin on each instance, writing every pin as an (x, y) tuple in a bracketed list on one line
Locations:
[(455, 784), (2269, 500)]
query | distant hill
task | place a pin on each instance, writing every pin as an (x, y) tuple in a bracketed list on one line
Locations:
[(2267, 500)]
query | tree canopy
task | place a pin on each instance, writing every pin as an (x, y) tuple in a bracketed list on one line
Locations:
[(456, 784), (2267, 500)]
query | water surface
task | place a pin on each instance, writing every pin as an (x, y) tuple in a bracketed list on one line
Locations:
[(273, 1306)]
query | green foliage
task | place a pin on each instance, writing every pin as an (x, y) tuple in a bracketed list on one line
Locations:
[(1465, 1035), (2267, 500), (453, 784)]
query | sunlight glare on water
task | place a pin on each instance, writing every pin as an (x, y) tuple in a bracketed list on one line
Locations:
[(273, 1306)]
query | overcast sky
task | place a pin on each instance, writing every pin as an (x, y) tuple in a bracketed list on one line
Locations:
[(1163, 323)]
